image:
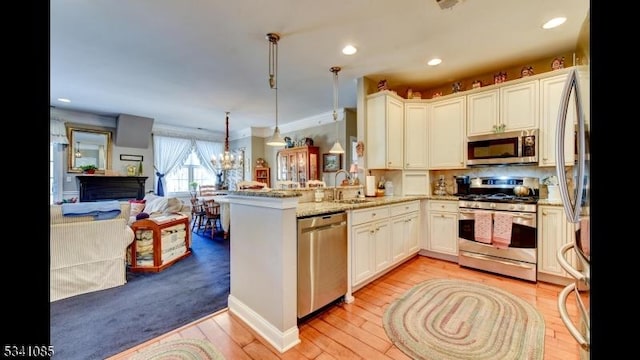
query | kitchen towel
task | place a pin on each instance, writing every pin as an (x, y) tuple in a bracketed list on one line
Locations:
[(483, 226), (502, 230)]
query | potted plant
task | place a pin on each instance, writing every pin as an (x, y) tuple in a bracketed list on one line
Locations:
[(193, 186), (88, 169)]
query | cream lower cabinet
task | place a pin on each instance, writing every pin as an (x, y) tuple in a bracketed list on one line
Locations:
[(370, 243), (382, 237), (405, 226), (554, 231), (443, 227)]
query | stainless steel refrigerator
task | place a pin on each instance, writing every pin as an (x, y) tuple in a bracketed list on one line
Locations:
[(574, 187)]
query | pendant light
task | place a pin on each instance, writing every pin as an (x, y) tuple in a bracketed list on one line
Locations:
[(276, 139), (337, 148)]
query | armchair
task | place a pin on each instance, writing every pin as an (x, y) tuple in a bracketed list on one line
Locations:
[(87, 255)]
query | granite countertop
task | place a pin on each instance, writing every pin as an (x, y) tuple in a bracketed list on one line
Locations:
[(325, 207), (552, 202)]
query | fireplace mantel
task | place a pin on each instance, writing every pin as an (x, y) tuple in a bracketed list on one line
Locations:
[(101, 187)]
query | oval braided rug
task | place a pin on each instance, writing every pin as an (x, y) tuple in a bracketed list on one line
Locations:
[(458, 319), (182, 349)]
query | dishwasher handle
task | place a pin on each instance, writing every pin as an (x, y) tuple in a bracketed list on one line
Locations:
[(321, 221)]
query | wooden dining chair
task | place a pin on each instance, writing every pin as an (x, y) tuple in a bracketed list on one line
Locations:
[(213, 220), (198, 214)]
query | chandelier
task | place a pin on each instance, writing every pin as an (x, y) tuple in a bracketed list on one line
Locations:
[(226, 160)]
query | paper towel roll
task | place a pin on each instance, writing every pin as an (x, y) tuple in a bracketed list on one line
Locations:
[(371, 186)]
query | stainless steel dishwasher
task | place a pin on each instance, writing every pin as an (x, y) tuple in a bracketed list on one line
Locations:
[(322, 261)]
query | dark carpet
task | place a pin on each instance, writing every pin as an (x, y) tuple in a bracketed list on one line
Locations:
[(103, 323)]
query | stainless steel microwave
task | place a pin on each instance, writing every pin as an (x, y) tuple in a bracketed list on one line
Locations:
[(512, 147)]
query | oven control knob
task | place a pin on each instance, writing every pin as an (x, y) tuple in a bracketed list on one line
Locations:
[(492, 205)]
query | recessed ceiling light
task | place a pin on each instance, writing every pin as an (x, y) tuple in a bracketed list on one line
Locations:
[(349, 50), (64, 100), (554, 22), (434, 62)]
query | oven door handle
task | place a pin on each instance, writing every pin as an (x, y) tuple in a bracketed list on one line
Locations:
[(493, 259)]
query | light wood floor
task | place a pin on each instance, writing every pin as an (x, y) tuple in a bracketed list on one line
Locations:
[(354, 331)]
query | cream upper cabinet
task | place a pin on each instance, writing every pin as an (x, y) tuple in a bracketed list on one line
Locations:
[(519, 107), (446, 134), (550, 96), (415, 135), (385, 131), (483, 112)]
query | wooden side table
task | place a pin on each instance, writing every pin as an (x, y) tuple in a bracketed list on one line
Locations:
[(159, 242)]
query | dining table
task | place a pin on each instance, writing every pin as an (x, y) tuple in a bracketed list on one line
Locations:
[(225, 213)]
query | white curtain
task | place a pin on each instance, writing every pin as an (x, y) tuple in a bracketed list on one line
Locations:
[(168, 153), (58, 132), (204, 151)]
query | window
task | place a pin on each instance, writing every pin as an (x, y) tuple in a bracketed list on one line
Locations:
[(179, 179)]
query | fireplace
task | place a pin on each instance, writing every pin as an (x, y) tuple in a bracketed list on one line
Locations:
[(100, 188)]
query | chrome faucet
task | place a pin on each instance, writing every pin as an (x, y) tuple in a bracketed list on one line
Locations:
[(335, 181)]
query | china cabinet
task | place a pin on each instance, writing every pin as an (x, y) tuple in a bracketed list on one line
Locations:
[(263, 175), (299, 164)]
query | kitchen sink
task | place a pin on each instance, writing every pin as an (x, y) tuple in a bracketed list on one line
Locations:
[(352, 201)]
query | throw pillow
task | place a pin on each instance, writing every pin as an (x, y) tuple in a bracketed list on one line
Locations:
[(173, 205), (157, 205), (136, 208)]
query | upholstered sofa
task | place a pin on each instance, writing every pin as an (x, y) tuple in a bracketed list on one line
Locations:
[(87, 254), (155, 205)]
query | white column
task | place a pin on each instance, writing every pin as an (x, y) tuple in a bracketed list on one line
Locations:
[(264, 266)]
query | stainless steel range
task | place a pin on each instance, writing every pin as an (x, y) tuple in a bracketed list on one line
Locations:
[(497, 230)]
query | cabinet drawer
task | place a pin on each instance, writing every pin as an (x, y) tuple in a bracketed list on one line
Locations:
[(404, 208), (440, 205), (370, 214)]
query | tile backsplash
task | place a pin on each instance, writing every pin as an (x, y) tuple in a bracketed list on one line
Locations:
[(489, 171)]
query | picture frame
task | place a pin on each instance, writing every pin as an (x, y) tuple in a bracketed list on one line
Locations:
[(128, 157), (331, 162)]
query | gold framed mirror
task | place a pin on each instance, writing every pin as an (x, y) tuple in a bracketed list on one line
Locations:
[(88, 147)]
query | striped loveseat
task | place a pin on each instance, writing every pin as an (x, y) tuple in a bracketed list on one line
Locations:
[(86, 254)]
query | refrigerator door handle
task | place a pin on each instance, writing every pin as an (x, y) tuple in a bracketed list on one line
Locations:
[(572, 211)]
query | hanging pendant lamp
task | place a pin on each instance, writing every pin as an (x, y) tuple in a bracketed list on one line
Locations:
[(276, 139), (337, 148)]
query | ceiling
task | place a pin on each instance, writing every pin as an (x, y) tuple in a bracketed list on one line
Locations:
[(184, 63)]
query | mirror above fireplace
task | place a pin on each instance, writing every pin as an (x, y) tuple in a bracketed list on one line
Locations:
[(88, 147)]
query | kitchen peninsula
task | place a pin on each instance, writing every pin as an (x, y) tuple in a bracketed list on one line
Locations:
[(263, 289)]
